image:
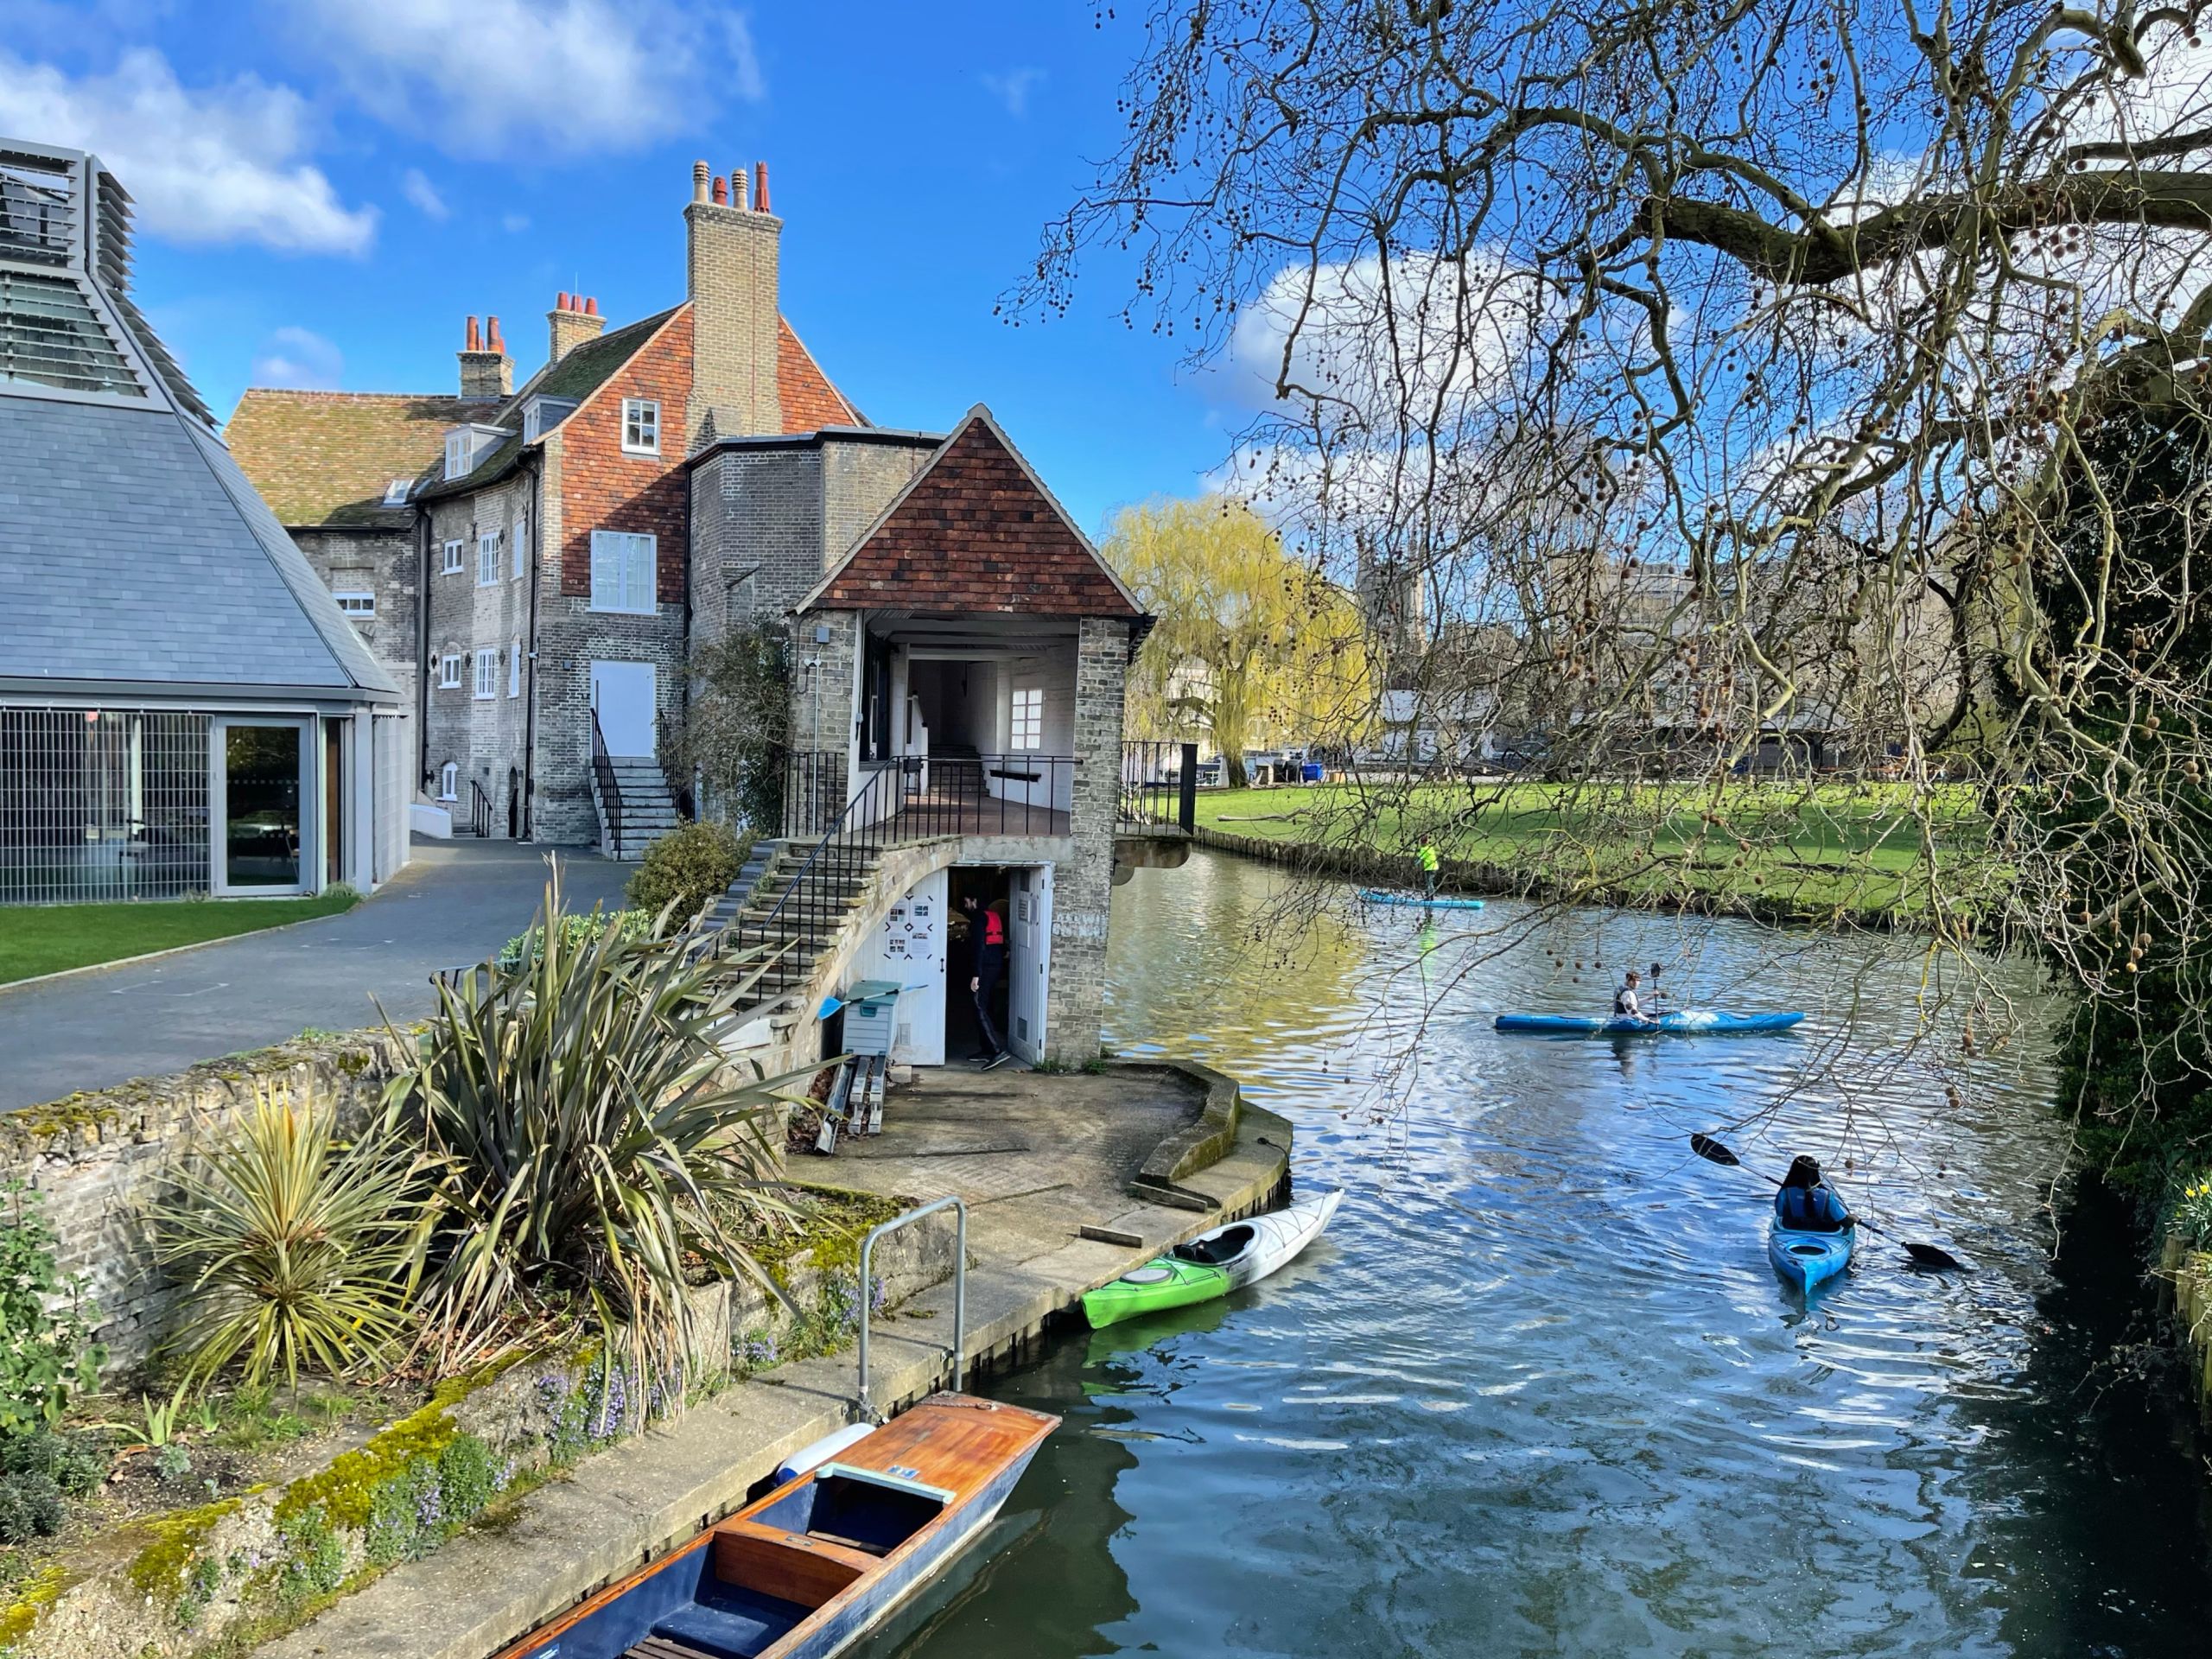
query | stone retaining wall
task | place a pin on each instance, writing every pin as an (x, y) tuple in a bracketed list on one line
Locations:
[(2188, 1274), (98, 1159)]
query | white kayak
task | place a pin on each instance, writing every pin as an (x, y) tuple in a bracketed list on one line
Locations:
[(1212, 1264)]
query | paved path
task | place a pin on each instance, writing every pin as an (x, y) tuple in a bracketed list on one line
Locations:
[(456, 902)]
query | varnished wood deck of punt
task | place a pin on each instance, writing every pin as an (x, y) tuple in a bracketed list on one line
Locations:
[(953, 1442)]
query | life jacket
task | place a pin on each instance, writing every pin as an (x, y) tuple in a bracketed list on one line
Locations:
[(1428, 858), (1811, 1209), (1620, 1002), (994, 929)]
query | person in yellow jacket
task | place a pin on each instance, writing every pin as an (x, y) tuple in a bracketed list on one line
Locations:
[(1430, 867)]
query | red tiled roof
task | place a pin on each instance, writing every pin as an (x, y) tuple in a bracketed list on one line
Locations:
[(808, 401), (975, 531)]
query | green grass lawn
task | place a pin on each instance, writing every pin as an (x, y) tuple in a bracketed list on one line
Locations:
[(45, 938), (1858, 847)]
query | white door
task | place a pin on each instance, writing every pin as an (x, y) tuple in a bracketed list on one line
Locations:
[(907, 947), (1028, 960), (622, 693)]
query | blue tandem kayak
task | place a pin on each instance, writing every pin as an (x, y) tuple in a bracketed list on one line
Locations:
[(1686, 1022), (1376, 896), (1807, 1260)]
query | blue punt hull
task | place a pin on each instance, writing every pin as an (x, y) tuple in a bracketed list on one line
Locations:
[(1376, 896), (1808, 1260), (842, 1567), (1690, 1022)]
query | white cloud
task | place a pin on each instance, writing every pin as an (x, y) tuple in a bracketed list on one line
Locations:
[(514, 224), (297, 358), (212, 164), (517, 77), (1012, 88), (418, 189)]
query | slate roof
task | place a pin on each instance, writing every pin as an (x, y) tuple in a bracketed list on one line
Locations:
[(976, 530), (133, 548), (325, 458)]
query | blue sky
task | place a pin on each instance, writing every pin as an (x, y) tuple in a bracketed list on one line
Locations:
[(327, 188)]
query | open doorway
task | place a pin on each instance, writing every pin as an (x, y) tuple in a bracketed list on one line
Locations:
[(1022, 897)]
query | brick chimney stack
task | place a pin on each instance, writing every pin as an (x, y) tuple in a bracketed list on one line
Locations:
[(574, 320), (733, 247), (488, 372)]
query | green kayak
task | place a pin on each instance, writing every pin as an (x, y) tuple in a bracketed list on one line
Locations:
[(1161, 1283)]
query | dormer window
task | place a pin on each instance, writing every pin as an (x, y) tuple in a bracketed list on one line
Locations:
[(640, 426), (395, 493), (466, 445), (541, 414)]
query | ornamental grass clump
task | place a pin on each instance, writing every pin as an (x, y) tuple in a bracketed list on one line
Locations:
[(595, 1152), (294, 1249)]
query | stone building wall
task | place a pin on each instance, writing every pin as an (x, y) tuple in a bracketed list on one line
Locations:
[(380, 560), (483, 736), (1083, 883)]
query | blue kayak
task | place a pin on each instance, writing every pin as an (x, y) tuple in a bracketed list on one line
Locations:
[(1686, 1022), (1376, 896), (1808, 1260)]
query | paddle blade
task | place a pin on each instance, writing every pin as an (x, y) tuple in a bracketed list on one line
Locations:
[(1713, 1152), (1929, 1256)]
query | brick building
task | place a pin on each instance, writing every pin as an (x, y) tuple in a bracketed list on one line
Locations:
[(561, 547)]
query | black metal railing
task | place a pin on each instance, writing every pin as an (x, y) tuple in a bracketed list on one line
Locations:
[(1159, 786), (1020, 793), (610, 787), (815, 899), (480, 811)]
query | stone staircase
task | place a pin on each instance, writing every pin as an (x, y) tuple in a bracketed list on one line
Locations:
[(741, 919), (648, 809)]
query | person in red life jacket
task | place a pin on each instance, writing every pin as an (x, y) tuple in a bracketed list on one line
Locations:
[(987, 966)]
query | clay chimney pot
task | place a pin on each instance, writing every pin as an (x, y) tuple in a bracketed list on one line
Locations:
[(561, 302), (591, 306), (698, 180), (737, 187), (493, 342), (475, 340), (721, 191), (760, 186)]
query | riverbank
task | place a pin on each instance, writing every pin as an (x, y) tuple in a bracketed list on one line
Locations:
[(1035, 1157), (1822, 855)]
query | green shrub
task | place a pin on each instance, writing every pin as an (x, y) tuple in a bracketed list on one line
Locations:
[(469, 1477), (45, 1355), (689, 867), (590, 1141), (575, 930), (73, 1466), (293, 1249), (30, 1507)]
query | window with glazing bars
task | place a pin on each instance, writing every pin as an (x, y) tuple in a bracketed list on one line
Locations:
[(102, 804)]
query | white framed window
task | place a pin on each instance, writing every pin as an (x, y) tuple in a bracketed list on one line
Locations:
[(519, 542), (487, 558), (451, 566), (622, 571), (394, 492), (449, 672), (359, 605), (487, 674), (1028, 717), (640, 426), (514, 670), (457, 455), (449, 781)]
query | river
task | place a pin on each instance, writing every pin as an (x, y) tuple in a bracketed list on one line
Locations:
[(1537, 1391)]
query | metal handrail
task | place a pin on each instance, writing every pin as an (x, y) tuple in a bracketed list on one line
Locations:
[(864, 1410), (610, 787), (1149, 781), (480, 811)]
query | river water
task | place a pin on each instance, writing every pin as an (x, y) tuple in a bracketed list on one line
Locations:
[(1537, 1391)]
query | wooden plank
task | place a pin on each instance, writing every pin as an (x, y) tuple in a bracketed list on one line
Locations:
[(659, 1647), (1110, 1235), (789, 1567)]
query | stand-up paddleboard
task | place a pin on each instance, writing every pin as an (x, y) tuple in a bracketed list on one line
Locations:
[(1212, 1264), (1413, 901), (1687, 1022)]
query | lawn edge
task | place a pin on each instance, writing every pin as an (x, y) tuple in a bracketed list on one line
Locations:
[(7, 986)]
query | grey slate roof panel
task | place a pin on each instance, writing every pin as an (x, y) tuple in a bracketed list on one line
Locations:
[(131, 547)]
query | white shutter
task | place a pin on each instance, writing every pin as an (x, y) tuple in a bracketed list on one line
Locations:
[(521, 546), (640, 589), (514, 670)]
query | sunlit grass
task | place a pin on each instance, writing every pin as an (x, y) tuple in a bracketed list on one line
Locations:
[(38, 939)]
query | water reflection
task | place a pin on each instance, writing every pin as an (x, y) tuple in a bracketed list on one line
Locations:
[(1538, 1391)]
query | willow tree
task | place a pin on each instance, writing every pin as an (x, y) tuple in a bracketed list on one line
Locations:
[(1251, 648), (1761, 370)]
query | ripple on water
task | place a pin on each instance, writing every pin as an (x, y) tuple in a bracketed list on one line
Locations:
[(1537, 1390)]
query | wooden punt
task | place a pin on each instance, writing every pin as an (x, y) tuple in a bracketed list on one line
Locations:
[(807, 1570)]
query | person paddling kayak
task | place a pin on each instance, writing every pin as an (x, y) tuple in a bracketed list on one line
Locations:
[(1626, 1005), (1807, 1203)]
